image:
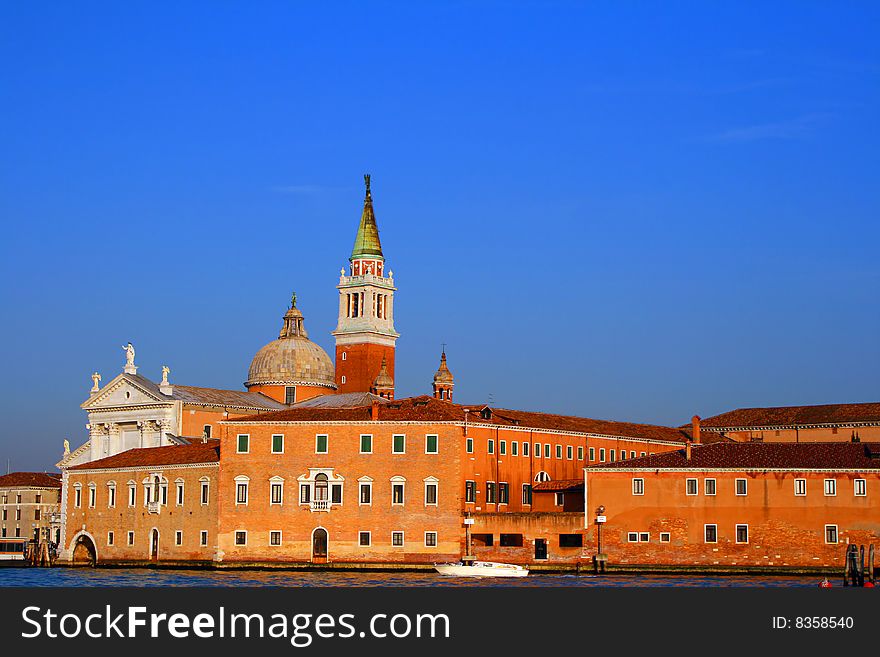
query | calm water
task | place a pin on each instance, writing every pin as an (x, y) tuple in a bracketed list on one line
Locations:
[(148, 577)]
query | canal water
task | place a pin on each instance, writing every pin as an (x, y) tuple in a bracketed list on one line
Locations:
[(149, 577)]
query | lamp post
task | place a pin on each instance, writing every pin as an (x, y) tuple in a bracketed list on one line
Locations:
[(600, 559)]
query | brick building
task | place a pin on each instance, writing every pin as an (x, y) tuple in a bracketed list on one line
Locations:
[(733, 504), (29, 505)]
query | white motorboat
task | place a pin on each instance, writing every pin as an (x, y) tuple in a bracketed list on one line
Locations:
[(481, 569)]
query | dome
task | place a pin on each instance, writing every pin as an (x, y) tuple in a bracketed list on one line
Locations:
[(443, 374), (292, 358)]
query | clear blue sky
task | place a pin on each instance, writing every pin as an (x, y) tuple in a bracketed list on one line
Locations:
[(634, 211)]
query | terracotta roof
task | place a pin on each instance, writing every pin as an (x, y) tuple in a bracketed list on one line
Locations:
[(759, 456), (210, 396), (784, 416), (428, 409), (31, 480), (558, 485), (208, 452)]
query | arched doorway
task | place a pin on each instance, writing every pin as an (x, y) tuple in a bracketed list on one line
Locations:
[(319, 545), (154, 544), (84, 552)]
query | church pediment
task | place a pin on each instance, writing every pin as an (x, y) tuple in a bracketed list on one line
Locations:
[(126, 390)]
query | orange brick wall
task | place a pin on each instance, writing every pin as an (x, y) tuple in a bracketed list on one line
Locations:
[(191, 518), (344, 522), (361, 365), (532, 526), (784, 529), (279, 393)]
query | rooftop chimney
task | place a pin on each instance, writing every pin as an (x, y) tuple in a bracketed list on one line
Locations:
[(695, 426), (687, 450), (374, 411)]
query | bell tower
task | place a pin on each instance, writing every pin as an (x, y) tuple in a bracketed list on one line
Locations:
[(365, 335)]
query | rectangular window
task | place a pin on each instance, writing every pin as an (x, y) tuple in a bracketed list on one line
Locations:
[(305, 493), (526, 494), (336, 494), (490, 448), (243, 444), (503, 493), (179, 493), (109, 538), (469, 445), (830, 487), (204, 498), (241, 538), (691, 487), (397, 494), (559, 499), (742, 533), (289, 395), (514, 448), (559, 451), (831, 534), (364, 539), (111, 496), (77, 497), (502, 447), (860, 487), (490, 492), (276, 493), (92, 496), (525, 449), (203, 538), (277, 443), (132, 495), (665, 537), (321, 441), (638, 486), (178, 537), (644, 537), (366, 493), (537, 451), (632, 537), (275, 537), (470, 491), (612, 455), (431, 444), (241, 493), (800, 487), (592, 453), (430, 494), (711, 533), (601, 455), (709, 486), (397, 539), (580, 452), (398, 444), (131, 538), (569, 452), (546, 450), (741, 487), (430, 539), (366, 444), (642, 454)]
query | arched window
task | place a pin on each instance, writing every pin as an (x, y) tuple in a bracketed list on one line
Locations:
[(321, 487), (542, 476)]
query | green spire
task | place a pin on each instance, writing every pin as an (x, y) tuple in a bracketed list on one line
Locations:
[(366, 244)]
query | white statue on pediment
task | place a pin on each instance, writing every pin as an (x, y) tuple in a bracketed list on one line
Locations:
[(96, 379), (165, 371), (129, 354)]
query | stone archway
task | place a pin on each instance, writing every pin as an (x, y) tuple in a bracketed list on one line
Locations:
[(320, 540), (84, 551)]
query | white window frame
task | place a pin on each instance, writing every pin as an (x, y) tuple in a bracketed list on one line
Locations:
[(706, 486), (667, 535), (369, 539), (803, 483), (273, 482), (343, 377), (242, 480), (644, 537), (745, 483), (110, 538), (548, 451), (326, 443), (361, 443), (238, 438), (836, 535), (398, 481), (436, 539), (687, 486), (705, 538), (402, 538), (178, 537), (203, 537), (111, 494), (235, 537), (179, 492), (632, 537), (736, 534), (490, 446), (569, 452), (536, 452), (365, 482), (502, 448), (542, 475), (559, 451), (860, 483), (601, 455), (130, 537), (830, 485), (280, 537), (580, 453), (436, 438), (469, 445), (132, 494), (93, 495), (638, 486), (559, 498), (514, 448), (398, 435), (272, 443), (432, 481), (525, 449), (204, 491)]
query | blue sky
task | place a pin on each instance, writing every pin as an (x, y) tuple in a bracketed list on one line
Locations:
[(634, 211)]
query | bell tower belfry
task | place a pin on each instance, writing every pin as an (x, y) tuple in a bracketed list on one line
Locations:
[(365, 335)]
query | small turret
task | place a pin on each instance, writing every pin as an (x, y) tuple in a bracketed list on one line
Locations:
[(444, 382), (383, 384)]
